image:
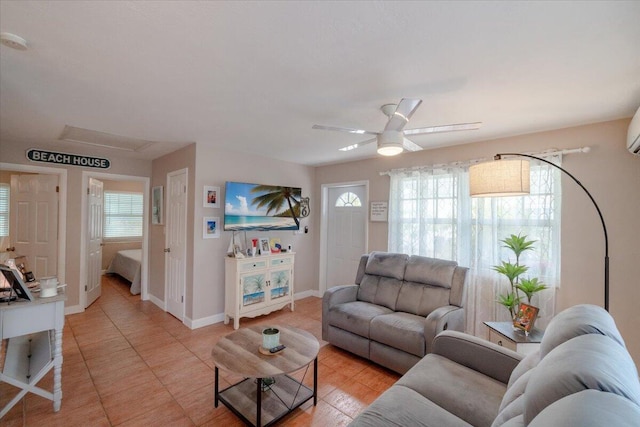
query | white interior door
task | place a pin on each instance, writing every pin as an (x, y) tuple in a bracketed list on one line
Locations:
[(95, 215), (346, 233), (175, 242), (34, 221)]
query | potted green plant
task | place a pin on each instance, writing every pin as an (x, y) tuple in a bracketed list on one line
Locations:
[(528, 286)]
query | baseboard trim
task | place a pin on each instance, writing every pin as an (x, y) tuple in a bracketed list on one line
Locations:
[(205, 321), (157, 301), (306, 294), (73, 309)]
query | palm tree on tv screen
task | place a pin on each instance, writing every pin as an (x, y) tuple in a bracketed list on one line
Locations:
[(275, 197)]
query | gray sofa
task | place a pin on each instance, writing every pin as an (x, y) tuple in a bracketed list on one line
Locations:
[(582, 376), (395, 308)]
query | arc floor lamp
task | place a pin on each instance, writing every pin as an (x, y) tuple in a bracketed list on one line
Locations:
[(510, 177)]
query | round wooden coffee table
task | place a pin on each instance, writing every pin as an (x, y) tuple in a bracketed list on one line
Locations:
[(267, 393)]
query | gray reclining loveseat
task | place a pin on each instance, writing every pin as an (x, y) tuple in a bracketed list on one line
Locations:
[(395, 308), (582, 376)]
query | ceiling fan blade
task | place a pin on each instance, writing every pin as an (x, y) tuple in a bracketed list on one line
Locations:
[(443, 128), (403, 113), (358, 145), (410, 145), (349, 130)]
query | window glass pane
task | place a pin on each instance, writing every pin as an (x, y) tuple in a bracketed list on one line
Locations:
[(4, 209), (348, 199), (123, 214)]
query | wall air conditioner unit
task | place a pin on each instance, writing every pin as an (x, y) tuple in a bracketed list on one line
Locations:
[(633, 134)]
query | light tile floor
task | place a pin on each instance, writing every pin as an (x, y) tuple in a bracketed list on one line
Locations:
[(128, 363)]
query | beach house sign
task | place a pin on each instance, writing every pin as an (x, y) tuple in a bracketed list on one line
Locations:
[(37, 155)]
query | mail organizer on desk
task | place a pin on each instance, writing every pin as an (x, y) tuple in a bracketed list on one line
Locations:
[(33, 330)]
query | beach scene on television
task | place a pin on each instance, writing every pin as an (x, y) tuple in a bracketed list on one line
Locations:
[(261, 207)]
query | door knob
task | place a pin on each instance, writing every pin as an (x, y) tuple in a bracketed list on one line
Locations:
[(167, 250)]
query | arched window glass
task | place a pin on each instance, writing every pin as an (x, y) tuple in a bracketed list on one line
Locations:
[(348, 200)]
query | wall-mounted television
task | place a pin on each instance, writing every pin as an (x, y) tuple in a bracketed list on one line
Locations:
[(261, 207)]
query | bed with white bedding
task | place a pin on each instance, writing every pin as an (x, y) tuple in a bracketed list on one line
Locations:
[(127, 263)]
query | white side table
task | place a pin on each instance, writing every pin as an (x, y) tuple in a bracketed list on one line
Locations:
[(503, 334)]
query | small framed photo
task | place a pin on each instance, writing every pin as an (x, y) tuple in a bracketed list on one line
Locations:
[(526, 317), (210, 227), (156, 205), (211, 197), (264, 246)]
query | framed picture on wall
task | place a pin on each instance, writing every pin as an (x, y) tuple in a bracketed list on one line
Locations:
[(210, 227), (156, 205), (211, 197)]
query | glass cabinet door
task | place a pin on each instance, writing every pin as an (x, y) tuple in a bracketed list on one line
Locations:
[(280, 283)]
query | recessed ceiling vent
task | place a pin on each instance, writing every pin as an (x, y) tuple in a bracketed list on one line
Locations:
[(103, 139)]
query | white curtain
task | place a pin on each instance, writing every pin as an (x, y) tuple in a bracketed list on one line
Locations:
[(431, 214)]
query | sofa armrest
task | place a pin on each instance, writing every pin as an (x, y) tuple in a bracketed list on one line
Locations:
[(448, 317), (334, 296), (475, 353)]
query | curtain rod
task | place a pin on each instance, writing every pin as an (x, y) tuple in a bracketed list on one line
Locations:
[(546, 153)]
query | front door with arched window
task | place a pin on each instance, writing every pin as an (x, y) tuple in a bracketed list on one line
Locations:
[(346, 233)]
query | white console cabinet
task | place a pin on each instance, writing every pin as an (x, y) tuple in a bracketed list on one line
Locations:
[(257, 285)]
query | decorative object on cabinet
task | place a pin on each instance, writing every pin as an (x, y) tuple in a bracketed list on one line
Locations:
[(264, 246), (257, 286), (211, 197), (156, 205), (210, 227), (526, 317), (275, 245)]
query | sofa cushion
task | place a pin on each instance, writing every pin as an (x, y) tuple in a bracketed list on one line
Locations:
[(401, 406), (386, 265), (514, 410), (465, 393), (430, 271), (512, 404), (382, 279), (586, 362), (403, 331), (575, 321), (421, 299), (355, 316), (529, 362), (589, 408)]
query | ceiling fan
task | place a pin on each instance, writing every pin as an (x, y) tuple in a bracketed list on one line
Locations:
[(392, 140)]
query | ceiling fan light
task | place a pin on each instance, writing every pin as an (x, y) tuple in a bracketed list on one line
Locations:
[(390, 149), (390, 143)]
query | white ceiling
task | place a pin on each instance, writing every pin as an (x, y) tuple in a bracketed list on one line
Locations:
[(255, 76)]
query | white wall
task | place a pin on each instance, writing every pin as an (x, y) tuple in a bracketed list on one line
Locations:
[(609, 172), (14, 152), (214, 167)]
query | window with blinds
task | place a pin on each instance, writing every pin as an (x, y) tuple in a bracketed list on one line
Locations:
[(4, 209), (123, 214)]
